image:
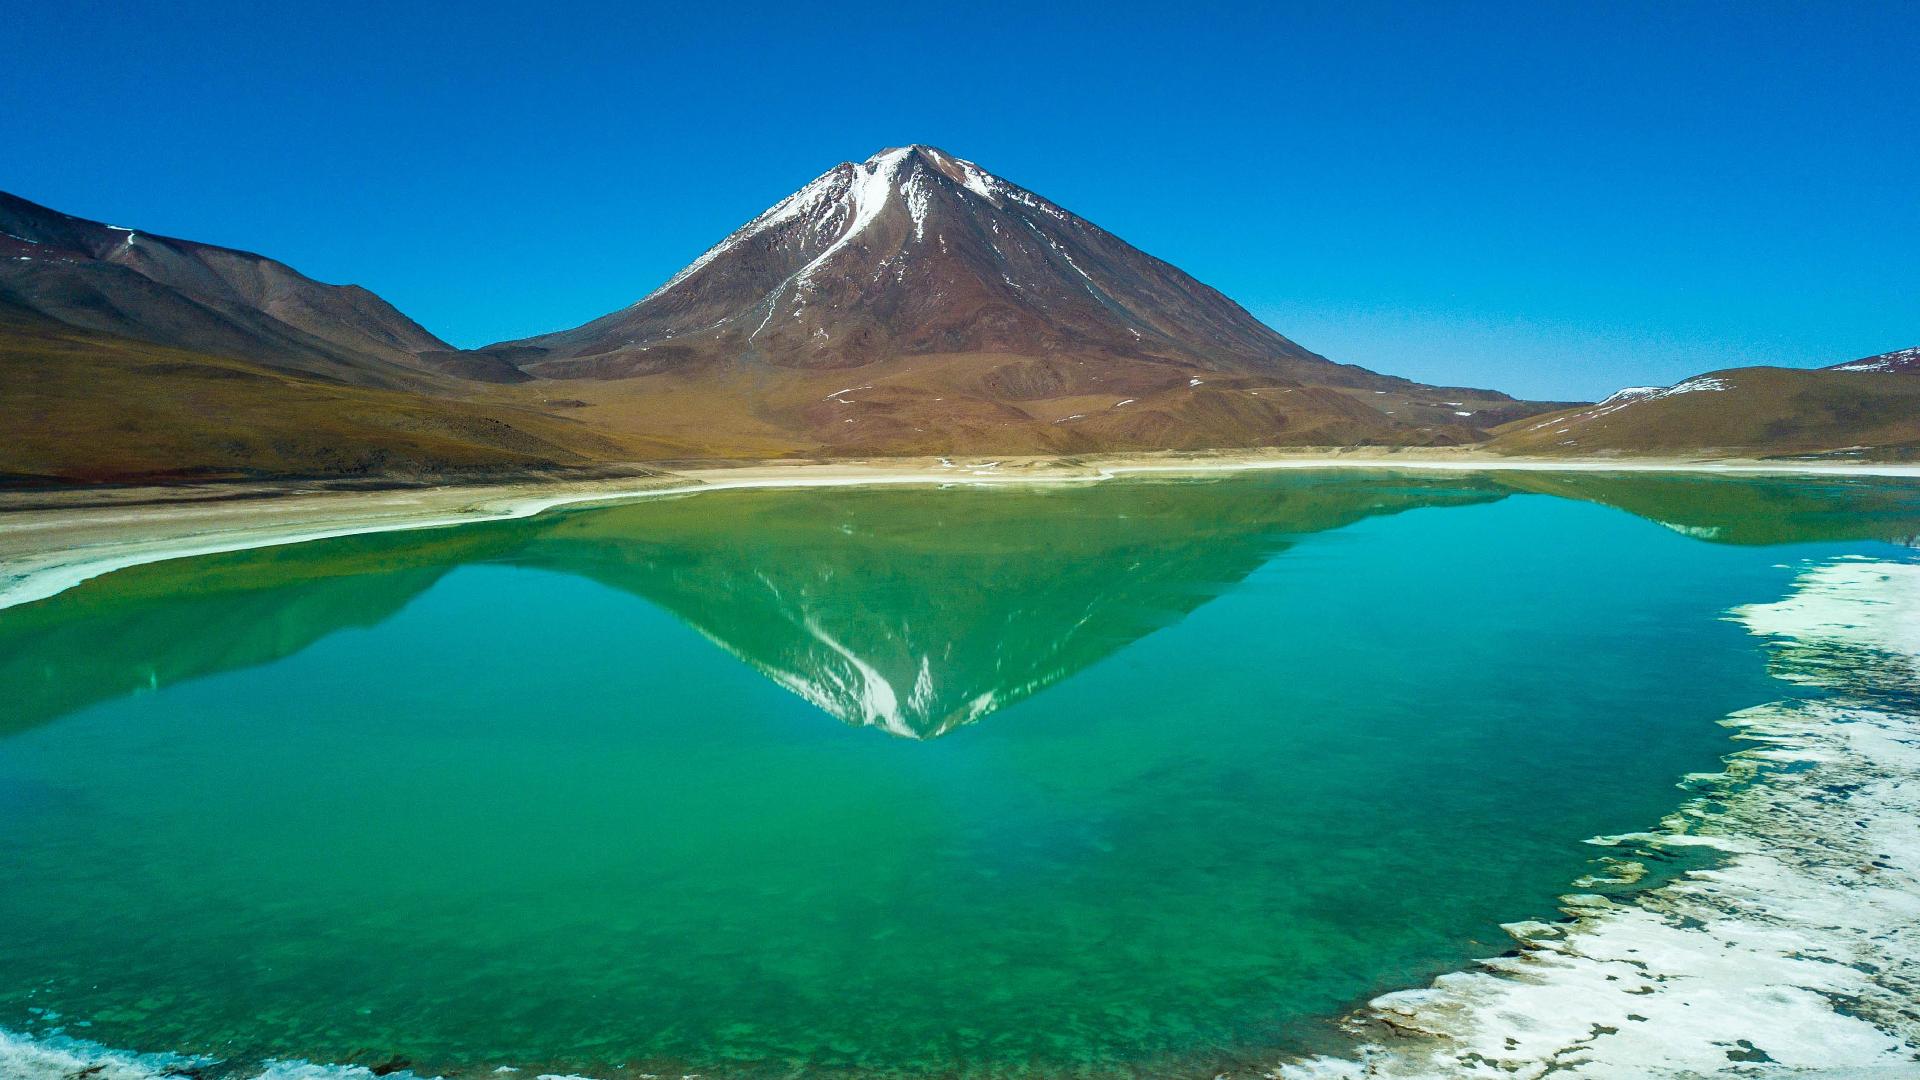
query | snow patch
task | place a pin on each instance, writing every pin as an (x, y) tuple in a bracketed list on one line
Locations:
[(1633, 395), (1887, 362), (1696, 385), (987, 186), (919, 199), (873, 181)]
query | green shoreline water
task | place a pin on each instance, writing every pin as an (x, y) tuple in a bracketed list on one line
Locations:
[(1193, 767)]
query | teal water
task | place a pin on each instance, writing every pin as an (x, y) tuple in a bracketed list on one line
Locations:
[(1138, 778)]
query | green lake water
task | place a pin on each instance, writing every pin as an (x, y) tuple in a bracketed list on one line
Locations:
[(1138, 778)]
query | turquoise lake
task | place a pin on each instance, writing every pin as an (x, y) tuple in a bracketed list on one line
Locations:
[(1137, 778)]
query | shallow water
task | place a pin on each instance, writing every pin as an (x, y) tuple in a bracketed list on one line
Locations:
[(1144, 777)]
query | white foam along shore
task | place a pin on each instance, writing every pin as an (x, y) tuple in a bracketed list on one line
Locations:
[(39, 558), (1797, 955), (59, 1058)]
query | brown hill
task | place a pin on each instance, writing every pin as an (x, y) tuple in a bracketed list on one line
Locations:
[(80, 406), (1866, 408)]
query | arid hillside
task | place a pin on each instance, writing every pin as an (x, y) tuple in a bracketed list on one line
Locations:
[(81, 406), (910, 304), (1861, 408)]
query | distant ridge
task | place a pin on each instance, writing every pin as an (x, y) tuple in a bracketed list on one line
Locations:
[(1865, 407), (205, 298), (1900, 361), (129, 357)]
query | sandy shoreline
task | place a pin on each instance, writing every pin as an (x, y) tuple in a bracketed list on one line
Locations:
[(52, 541)]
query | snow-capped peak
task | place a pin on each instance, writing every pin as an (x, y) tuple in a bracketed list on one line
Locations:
[(874, 218), (893, 155), (873, 184), (864, 188)]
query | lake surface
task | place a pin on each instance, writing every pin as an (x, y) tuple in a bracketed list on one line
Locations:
[(1145, 778)]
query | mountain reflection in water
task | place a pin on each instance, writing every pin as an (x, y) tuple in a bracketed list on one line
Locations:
[(912, 610)]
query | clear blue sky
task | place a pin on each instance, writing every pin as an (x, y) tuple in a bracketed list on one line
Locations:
[(1554, 199)]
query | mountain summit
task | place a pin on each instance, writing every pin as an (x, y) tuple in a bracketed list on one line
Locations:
[(915, 250), (988, 313)]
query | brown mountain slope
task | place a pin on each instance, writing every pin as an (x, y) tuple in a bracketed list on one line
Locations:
[(215, 300), (917, 252), (1868, 407), (909, 304), (962, 312), (81, 406)]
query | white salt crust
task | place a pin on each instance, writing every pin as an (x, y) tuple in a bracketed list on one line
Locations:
[(1798, 954)]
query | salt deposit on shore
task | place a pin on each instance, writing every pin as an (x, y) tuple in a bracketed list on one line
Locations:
[(46, 549), (1798, 954)]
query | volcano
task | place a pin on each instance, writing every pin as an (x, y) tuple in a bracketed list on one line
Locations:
[(959, 311)]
